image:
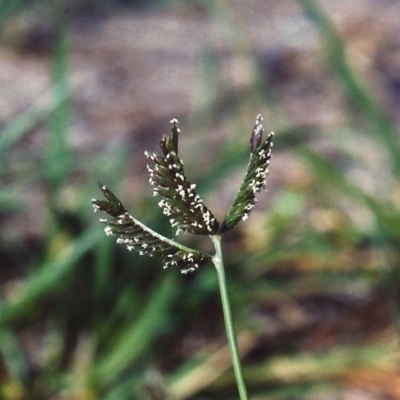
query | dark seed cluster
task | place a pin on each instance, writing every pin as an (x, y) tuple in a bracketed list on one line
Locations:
[(255, 178), (137, 236), (180, 202)]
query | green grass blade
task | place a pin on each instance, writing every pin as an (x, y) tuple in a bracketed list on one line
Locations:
[(57, 157), (21, 125), (48, 277), (134, 341), (13, 356), (357, 91)]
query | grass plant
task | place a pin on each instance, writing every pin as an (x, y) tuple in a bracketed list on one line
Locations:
[(315, 304), (189, 214)]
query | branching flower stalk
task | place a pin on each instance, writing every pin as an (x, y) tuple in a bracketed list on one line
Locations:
[(188, 213)]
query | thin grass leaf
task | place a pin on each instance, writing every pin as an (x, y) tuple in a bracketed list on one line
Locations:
[(46, 279), (13, 356), (356, 89), (181, 203), (136, 339), (15, 130), (139, 237), (254, 180), (57, 155)]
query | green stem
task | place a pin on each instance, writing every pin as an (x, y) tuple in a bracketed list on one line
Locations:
[(230, 330)]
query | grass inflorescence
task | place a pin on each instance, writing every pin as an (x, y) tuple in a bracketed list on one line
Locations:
[(182, 204)]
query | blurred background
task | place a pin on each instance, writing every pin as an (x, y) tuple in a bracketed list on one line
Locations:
[(88, 85)]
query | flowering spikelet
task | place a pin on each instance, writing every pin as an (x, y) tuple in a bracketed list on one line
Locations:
[(137, 236), (181, 203), (254, 180)]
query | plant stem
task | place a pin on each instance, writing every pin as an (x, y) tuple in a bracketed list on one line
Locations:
[(230, 330)]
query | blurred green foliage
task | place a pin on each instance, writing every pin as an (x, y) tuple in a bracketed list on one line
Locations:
[(86, 320)]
